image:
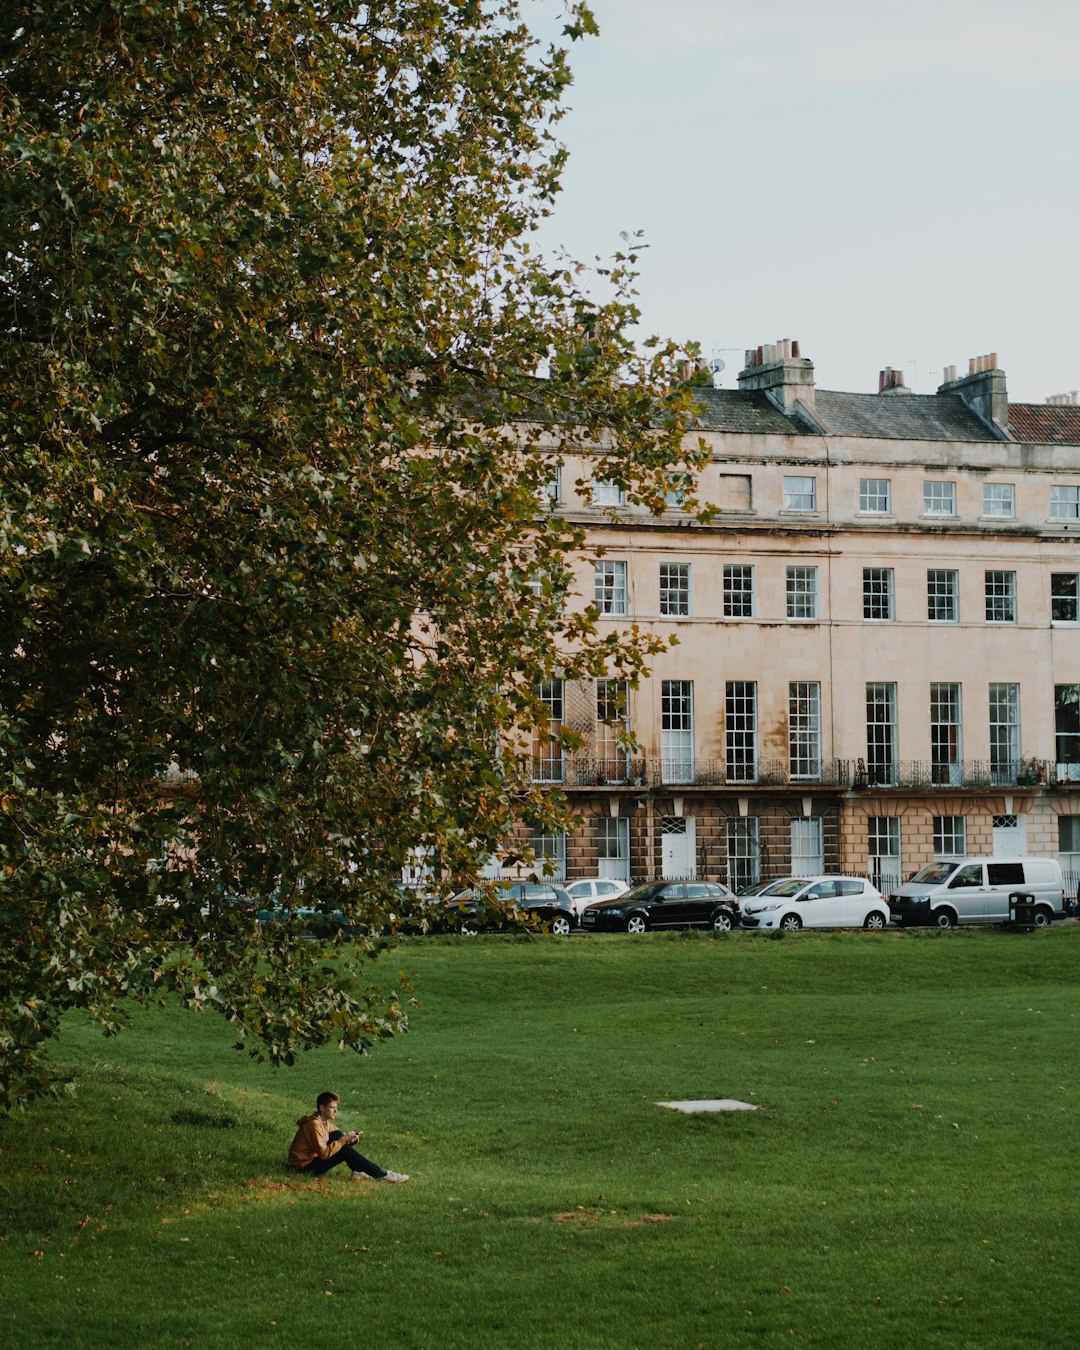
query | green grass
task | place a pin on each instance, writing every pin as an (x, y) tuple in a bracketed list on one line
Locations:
[(910, 1182)]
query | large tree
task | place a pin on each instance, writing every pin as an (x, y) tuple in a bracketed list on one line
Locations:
[(277, 583)]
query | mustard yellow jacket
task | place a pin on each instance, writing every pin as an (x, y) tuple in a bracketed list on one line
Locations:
[(312, 1140)]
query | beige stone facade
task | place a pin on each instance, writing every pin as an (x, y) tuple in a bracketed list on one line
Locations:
[(878, 656)]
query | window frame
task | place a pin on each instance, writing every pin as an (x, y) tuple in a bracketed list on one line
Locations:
[(1065, 597), (1068, 495), (804, 594), (803, 498), (804, 730), (873, 491), (942, 593), (671, 593), (878, 583), (882, 733), (738, 591), (605, 492), (1003, 704), (994, 495), (939, 497), (677, 759), (608, 595), (999, 593), (741, 731), (946, 830)]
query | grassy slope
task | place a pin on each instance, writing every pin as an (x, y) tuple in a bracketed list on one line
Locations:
[(911, 1181)]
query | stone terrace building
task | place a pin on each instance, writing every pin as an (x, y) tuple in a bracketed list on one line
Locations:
[(879, 638)]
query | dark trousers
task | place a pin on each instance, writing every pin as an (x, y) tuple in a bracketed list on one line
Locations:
[(357, 1162)]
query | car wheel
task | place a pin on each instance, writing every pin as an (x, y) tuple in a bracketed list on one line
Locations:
[(791, 923), (1043, 917), (636, 923), (944, 918), (561, 925), (876, 920), (722, 921)]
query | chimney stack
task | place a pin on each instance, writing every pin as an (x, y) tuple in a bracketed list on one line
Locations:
[(891, 381), (982, 389), (779, 371)]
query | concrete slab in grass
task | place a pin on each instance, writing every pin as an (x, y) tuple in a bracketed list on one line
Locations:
[(699, 1107)]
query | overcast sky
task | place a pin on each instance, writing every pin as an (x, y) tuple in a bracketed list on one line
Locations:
[(889, 184)]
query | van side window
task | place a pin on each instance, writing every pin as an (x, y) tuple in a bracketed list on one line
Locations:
[(1005, 874), (971, 875)]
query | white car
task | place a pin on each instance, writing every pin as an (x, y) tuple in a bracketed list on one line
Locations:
[(816, 902), (590, 889)]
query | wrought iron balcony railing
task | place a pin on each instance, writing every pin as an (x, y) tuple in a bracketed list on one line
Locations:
[(852, 775)]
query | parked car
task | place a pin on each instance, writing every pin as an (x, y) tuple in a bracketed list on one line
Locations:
[(588, 889), (816, 902), (472, 909), (665, 904), (977, 890)]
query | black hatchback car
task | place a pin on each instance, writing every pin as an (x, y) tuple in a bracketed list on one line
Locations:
[(665, 904), (543, 900)]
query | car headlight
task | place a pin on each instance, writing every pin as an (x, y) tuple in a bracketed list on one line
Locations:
[(765, 909)]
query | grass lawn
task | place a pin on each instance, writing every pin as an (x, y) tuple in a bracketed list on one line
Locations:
[(911, 1180)]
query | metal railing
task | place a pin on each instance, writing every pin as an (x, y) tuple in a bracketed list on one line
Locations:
[(851, 775)]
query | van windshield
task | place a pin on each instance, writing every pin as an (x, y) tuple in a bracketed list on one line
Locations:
[(934, 873)]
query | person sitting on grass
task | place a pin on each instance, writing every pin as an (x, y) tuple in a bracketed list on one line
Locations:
[(317, 1146)]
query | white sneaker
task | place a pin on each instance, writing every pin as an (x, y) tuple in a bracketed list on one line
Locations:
[(395, 1176)]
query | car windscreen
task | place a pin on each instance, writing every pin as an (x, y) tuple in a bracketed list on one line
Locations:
[(788, 888), (934, 873)]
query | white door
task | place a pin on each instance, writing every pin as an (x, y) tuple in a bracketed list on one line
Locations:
[(677, 847), (1010, 836)]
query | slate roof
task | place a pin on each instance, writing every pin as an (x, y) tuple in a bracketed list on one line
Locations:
[(899, 417), (745, 410), (907, 417), (1045, 423)]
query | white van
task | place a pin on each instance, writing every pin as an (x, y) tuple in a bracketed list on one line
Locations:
[(977, 890)]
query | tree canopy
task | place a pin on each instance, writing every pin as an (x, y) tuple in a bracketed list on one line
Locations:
[(278, 578)]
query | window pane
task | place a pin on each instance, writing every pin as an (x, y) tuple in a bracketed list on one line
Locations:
[(743, 852), (1065, 503), (1004, 732), (881, 732), (547, 741), (677, 730), (999, 500), (1000, 597), (606, 493), (941, 596), (740, 731), (950, 836), (946, 756), (802, 592), (804, 728), (807, 855), (939, 498), (877, 593), (738, 592), (800, 494), (611, 587), (1067, 727), (874, 494), (883, 848), (675, 588), (1063, 597)]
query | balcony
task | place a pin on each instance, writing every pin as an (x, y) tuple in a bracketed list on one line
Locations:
[(845, 775)]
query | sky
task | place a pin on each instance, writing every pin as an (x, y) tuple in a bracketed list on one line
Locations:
[(891, 185)]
